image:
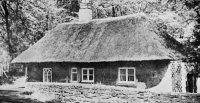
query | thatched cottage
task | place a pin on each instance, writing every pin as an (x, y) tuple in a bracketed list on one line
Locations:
[(123, 51), (115, 51)]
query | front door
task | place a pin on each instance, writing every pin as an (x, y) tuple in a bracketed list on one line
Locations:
[(191, 86)]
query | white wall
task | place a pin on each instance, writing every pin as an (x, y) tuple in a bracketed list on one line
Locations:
[(198, 85), (165, 86), (85, 14)]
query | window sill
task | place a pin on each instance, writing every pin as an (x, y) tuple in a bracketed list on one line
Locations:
[(73, 81), (87, 81), (126, 83)]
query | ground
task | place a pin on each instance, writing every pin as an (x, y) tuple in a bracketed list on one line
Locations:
[(11, 96), (19, 96), (16, 93)]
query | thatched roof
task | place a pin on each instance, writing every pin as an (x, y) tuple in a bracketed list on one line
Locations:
[(128, 38)]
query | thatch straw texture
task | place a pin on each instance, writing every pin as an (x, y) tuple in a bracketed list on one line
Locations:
[(128, 38)]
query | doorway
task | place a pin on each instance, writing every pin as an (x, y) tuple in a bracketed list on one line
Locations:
[(191, 85)]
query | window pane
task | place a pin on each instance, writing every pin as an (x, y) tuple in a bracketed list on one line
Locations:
[(49, 78), (74, 70), (122, 78), (91, 77), (123, 71), (74, 77), (45, 74), (84, 71), (45, 80), (49, 73), (130, 78), (84, 77), (90, 71), (45, 77), (130, 71)]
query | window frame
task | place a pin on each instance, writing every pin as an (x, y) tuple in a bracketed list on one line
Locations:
[(126, 68), (89, 81), (47, 69), (74, 73)]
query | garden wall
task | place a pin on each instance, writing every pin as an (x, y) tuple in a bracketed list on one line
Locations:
[(95, 93)]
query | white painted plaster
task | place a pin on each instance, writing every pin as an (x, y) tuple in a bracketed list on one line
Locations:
[(184, 77), (165, 86), (85, 14), (198, 85)]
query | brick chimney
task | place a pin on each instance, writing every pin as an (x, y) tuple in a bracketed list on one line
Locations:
[(85, 12)]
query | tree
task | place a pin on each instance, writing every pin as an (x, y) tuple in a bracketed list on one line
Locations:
[(22, 23), (9, 14), (194, 43)]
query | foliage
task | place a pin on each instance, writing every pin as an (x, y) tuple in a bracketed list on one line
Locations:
[(22, 23), (178, 20), (194, 44), (9, 18), (6, 80)]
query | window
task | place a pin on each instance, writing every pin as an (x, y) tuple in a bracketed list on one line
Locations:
[(74, 75), (47, 75), (88, 75), (126, 75)]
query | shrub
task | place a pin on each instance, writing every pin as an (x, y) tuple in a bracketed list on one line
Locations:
[(4, 80)]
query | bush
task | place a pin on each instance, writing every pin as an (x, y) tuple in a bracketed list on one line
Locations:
[(4, 80)]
